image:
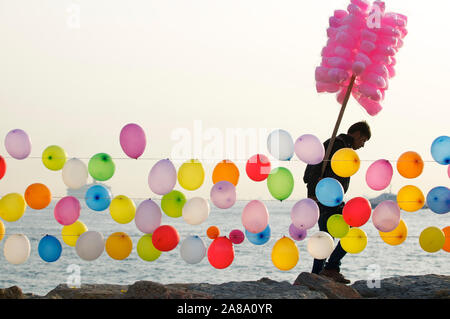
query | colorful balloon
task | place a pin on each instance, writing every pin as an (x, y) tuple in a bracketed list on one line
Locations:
[(296, 233), (148, 216), (67, 210), (223, 194), (132, 140), (146, 250), (386, 216), (355, 241), (75, 173), (336, 226), (172, 204), (12, 207), (432, 239), (309, 149), (213, 232), (410, 165), (49, 248), (165, 238), (54, 157), (255, 216), (446, 246), (284, 254), (329, 192), (379, 175), (38, 196), (221, 253), (122, 209), (98, 197), (236, 236), (345, 162), (195, 211), (396, 236), (410, 198), (280, 145), (71, 233), (18, 144), (280, 183), (320, 245), (305, 214), (119, 246), (101, 167), (356, 211), (192, 250), (258, 167), (438, 200), (226, 170), (162, 177), (90, 245), (440, 150), (259, 238), (191, 175), (17, 249), (2, 167)]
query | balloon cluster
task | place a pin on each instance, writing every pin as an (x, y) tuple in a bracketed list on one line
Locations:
[(362, 42)]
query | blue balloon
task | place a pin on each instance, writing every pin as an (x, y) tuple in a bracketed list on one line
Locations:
[(329, 192), (258, 238), (440, 150), (49, 248), (438, 200), (98, 198)]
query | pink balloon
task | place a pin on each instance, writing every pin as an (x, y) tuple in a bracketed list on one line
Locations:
[(133, 140), (67, 210), (305, 213), (18, 144), (255, 216), (148, 216), (223, 194), (236, 236), (297, 234), (309, 149), (162, 177), (386, 216), (379, 174)]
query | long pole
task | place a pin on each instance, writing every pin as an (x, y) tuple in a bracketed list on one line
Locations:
[(338, 123)]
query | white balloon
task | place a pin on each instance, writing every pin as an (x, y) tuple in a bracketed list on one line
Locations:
[(280, 145), (320, 245), (75, 173), (192, 249), (90, 245), (17, 249), (195, 210)]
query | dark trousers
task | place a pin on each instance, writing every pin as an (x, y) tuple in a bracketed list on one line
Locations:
[(334, 261)]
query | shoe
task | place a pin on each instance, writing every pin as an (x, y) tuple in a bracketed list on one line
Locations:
[(335, 275)]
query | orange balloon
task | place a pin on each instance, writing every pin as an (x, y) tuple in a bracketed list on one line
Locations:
[(446, 231), (213, 232), (119, 246), (226, 170), (38, 196), (410, 164)]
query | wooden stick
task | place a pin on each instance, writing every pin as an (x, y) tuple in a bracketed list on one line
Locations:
[(338, 122)]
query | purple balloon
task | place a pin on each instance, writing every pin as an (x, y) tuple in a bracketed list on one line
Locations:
[(236, 236), (148, 216), (162, 177), (309, 149), (305, 214), (379, 174), (67, 210), (18, 144), (386, 216), (297, 234), (132, 140), (223, 194)]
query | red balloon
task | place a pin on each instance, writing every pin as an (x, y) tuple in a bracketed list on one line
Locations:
[(221, 253), (357, 211), (236, 236), (258, 167), (2, 167), (165, 238)]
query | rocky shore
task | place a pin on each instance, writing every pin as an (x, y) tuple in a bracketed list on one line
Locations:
[(306, 286)]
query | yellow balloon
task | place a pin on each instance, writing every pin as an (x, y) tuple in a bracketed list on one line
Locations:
[(355, 241), (191, 175), (70, 233), (432, 239), (12, 207), (410, 198), (285, 254), (397, 236), (345, 162), (122, 209), (119, 245), (54, 157), (2, 230)]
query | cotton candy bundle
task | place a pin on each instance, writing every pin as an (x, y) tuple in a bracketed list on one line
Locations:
[(362, 42)]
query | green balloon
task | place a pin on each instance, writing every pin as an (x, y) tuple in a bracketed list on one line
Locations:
[(337, 227), (101, 167), (172, 204), (146, 250), (280, 183)]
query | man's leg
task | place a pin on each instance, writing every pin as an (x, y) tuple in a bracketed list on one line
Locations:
[(334, 261)]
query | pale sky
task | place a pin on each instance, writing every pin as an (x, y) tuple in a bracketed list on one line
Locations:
[(229, 64)]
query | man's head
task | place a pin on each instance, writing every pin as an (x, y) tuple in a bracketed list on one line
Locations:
[(361, 134)]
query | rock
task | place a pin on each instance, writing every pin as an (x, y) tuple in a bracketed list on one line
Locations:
[(88, 291), (13, 292), (407, 287), (154, 290), (327, 286)]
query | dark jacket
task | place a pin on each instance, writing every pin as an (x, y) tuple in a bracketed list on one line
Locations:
[(312, 172)]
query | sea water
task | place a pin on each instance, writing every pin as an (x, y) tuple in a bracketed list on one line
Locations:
[(378, 260)]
